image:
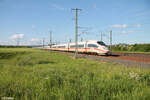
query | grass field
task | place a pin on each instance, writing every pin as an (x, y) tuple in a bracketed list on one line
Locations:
[(29, 74)]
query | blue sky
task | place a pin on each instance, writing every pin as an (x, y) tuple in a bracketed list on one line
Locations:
[(32, 20)]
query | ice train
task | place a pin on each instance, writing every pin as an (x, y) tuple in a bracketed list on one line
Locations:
[(92, 46)]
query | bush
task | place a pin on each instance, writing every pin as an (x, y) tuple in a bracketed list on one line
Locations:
[(135, 47)]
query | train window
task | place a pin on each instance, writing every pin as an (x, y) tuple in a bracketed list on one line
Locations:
[(92, 45), (61, 46), (101, 43), (72, 46), (81, 45)]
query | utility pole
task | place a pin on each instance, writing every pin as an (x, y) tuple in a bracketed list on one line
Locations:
[(110, 48), (18, 41), (43, 42), (50, 39), (70, 41), (101, 36), (81, 39), (76, 32)]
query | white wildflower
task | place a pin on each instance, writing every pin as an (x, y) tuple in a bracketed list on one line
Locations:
[(7, 98), (133, 75), (46, 78)]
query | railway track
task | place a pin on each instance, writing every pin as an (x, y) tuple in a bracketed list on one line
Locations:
[(139, 57), (128, 59), (131, 61), (131, 54)]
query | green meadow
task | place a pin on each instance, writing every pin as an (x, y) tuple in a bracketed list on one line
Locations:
[(30, 74)]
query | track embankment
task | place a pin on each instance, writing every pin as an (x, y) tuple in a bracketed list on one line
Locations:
[(128, 59), (131, 54)]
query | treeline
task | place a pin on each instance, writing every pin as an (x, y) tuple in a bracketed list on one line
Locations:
[(135, 47), (2, 46)]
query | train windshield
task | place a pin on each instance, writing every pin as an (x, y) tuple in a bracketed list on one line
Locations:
[(101, 43)]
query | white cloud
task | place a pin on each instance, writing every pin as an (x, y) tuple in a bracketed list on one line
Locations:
[(124, 32), (16, 36), (119, 26), (85, 12), (143, 13), (94, 6), (56, 6), (33, 26), (131, 31), (125, 26), (35, 39), (138, 25)]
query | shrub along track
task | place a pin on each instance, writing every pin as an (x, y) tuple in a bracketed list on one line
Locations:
[(129, 59), (131, 54)]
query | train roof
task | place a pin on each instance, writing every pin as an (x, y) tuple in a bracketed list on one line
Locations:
[(72, 43)]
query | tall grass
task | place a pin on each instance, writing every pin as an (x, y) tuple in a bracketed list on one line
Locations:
[(29, 74)]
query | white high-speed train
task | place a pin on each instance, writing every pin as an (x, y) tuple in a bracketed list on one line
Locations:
[(93, 46)]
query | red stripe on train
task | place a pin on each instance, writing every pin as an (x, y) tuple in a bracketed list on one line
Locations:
[(82, 48), (99, 49)]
